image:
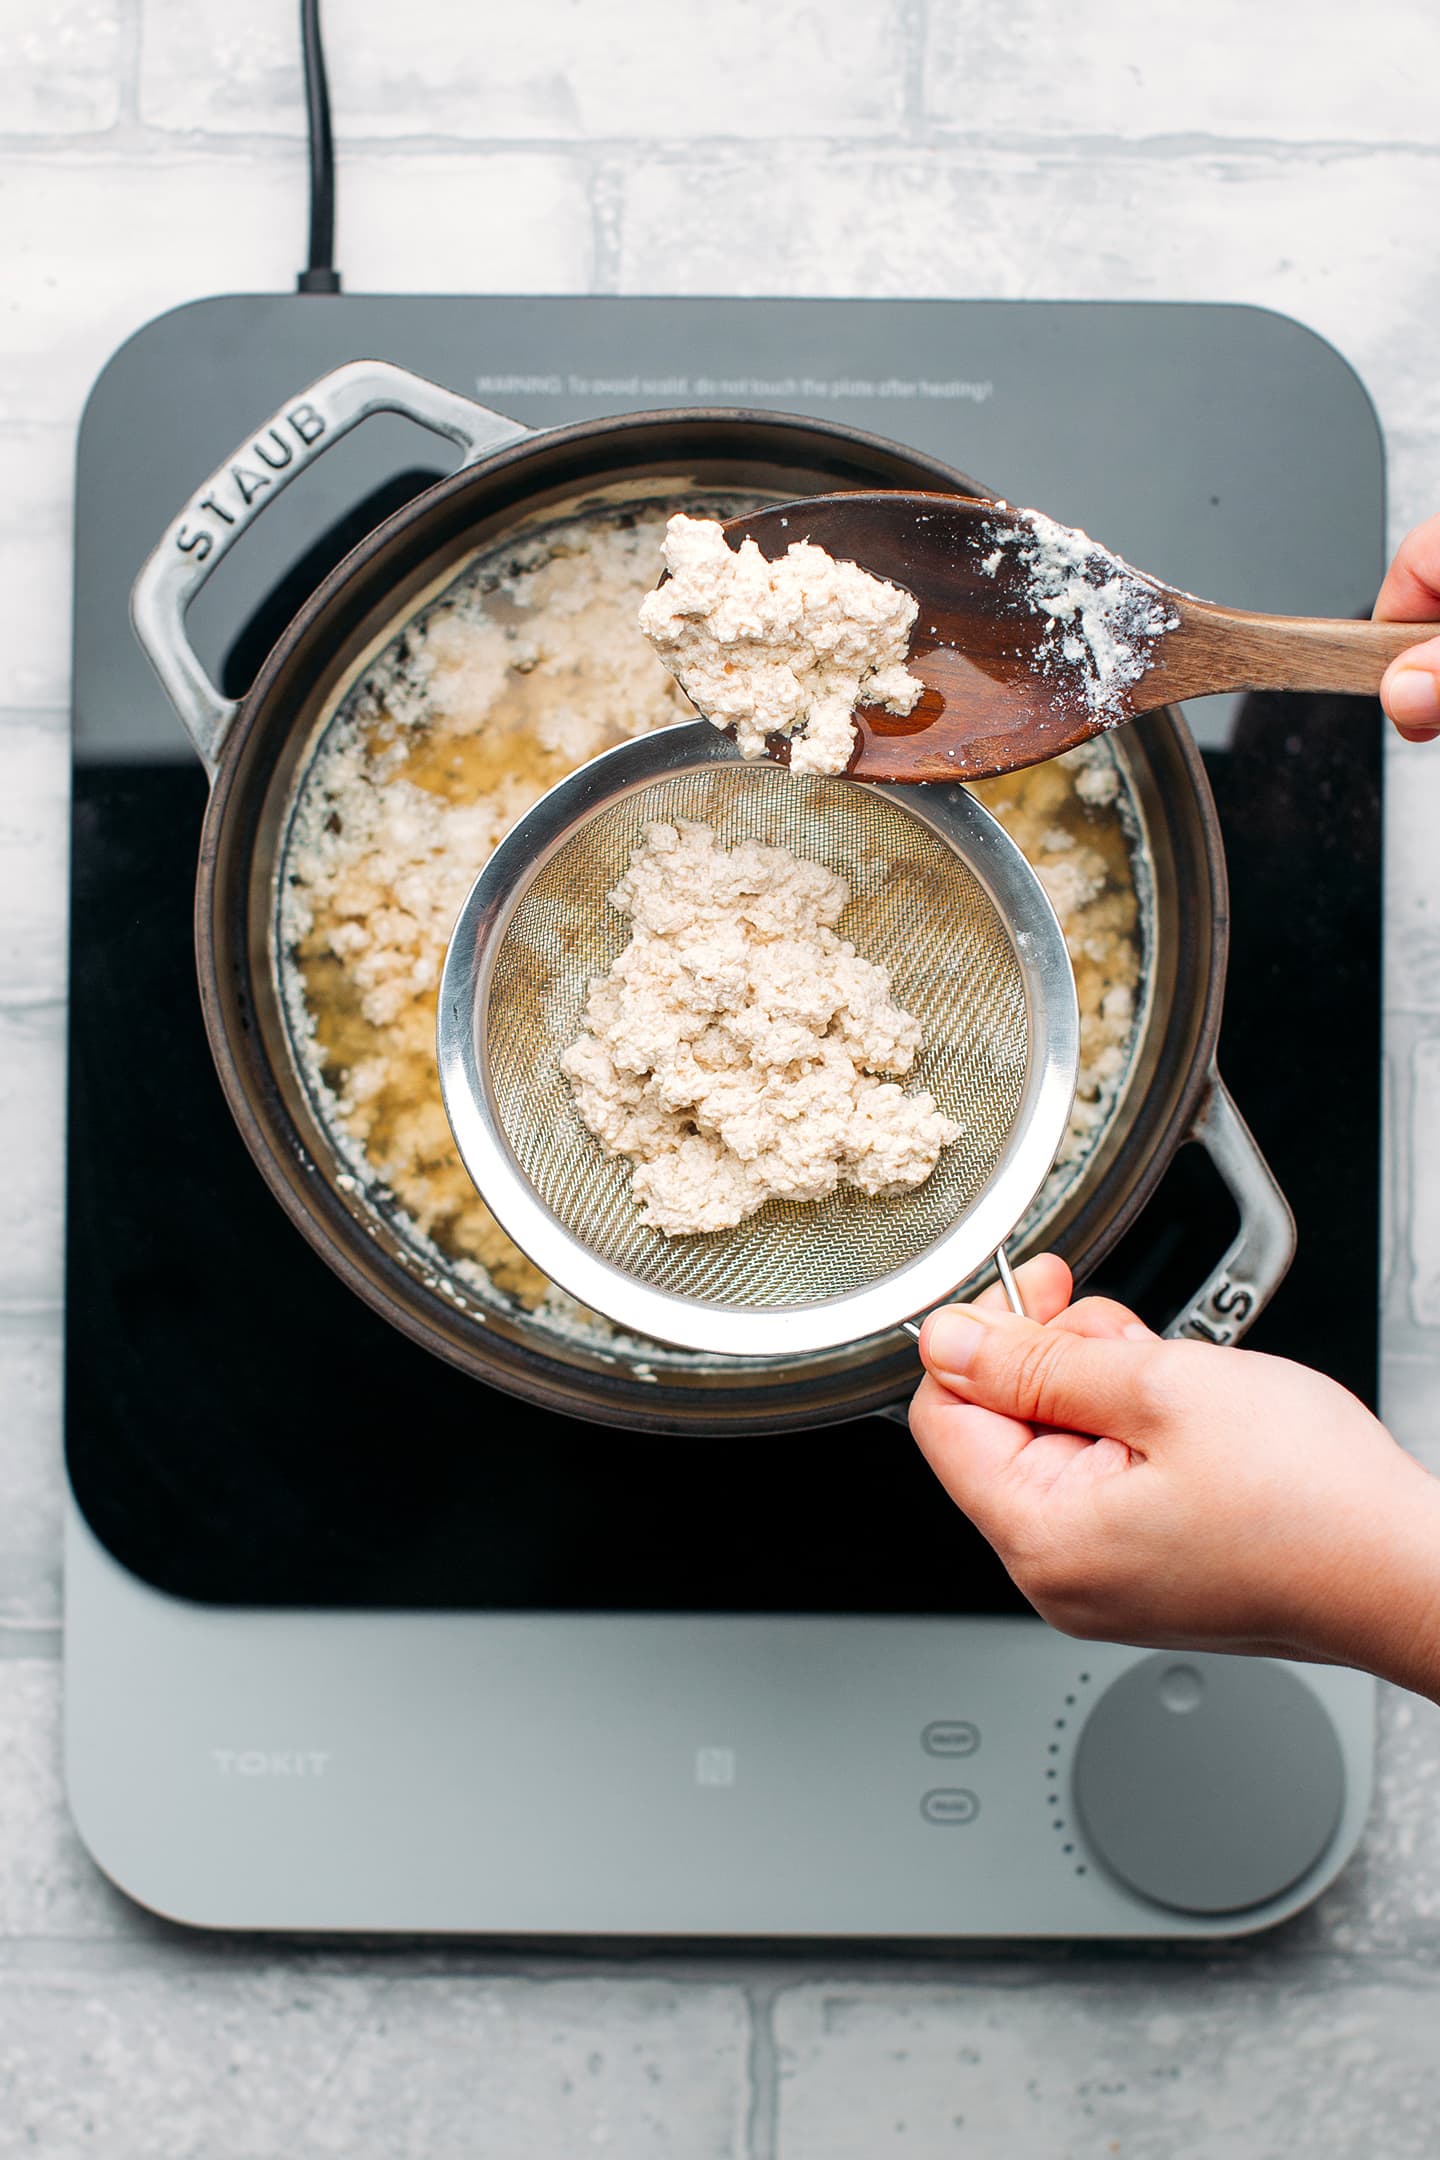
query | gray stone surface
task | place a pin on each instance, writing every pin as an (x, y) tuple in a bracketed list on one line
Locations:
[(150, 153), (267, 2053), (1385, 1908), (49, 1889), (1172, 2063)]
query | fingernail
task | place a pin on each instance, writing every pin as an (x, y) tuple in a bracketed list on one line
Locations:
[(951, 1341), (1412, 698)]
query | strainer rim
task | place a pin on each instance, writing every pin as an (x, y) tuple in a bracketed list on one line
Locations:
[(951, 815)]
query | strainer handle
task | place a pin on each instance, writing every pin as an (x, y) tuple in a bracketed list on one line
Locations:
[(229, 502), (1008, 1283), (1255, 1262), (1012, 1298)]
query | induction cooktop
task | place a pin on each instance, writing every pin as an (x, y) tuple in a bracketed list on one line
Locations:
[(355, 1642)]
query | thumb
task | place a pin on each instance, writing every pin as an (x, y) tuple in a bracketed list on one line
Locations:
[(1045, 1375), (1410, 691)]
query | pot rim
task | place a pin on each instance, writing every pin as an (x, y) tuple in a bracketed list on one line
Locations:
[(1180, 1124)]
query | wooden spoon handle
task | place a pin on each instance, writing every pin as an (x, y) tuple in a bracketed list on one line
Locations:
[(1228, 649)]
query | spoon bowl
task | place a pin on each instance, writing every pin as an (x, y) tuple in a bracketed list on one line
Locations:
[(1028, 643)]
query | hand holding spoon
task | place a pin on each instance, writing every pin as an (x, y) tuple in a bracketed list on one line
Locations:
[(1030, 638)]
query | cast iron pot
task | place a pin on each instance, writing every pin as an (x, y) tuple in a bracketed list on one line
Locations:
[(255, 749)]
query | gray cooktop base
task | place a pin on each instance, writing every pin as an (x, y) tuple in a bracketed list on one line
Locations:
[(709, 1775)]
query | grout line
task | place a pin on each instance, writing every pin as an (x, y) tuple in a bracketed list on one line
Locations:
[(928, 138), (29, 1641), (605, 189), (50, 722), (132, 33), (914, 33), (27, 1007), (762, 2074)]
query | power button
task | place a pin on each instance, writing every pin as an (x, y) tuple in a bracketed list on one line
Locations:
[(950, 1804)]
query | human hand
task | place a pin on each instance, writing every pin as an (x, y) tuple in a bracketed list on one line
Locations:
[(1410, 689), (1140, 1490)]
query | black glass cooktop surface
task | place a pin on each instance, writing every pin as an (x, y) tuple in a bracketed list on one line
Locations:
[(239, 1427)]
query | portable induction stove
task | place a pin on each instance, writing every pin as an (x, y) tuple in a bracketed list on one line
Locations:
[(356, 1643)]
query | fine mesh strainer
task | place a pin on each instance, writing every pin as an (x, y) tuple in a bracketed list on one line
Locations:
[(940, 895)]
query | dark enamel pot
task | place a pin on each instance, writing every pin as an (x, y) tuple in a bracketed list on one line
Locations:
[(256, 749)]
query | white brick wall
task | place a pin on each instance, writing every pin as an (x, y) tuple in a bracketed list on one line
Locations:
[(94, 245), (34, 840), (35, 547), (556, 69), (60, 67), (513, 221), (190, 222), (1142, 73), (150, 152)]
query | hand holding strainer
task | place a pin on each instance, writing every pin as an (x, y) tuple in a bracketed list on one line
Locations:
[(941, 896)]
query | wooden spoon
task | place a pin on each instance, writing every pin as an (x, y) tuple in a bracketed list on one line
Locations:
[(999, 690)]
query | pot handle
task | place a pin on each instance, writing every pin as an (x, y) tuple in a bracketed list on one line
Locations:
[(233, 497), (1255, 1263)]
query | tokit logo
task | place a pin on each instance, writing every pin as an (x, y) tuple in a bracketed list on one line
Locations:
[(270, 1762)]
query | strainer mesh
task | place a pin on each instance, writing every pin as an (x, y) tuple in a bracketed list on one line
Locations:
[(915, 907)]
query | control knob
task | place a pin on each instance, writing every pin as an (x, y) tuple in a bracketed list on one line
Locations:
[(1208, 1784)]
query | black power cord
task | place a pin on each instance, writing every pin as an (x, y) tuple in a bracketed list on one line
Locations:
[(320, 276)]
